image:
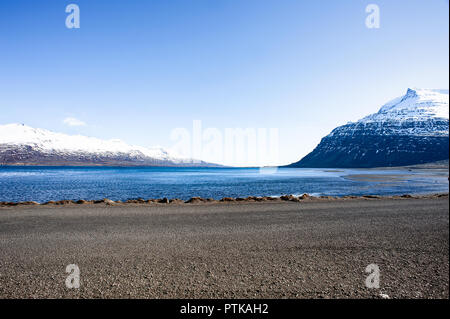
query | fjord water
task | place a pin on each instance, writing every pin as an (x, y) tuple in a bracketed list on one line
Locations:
[(43, 184)]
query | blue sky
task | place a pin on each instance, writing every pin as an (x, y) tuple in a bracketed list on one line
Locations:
[(136, 70)]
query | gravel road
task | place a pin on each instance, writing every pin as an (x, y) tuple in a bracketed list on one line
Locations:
[(316, 249)]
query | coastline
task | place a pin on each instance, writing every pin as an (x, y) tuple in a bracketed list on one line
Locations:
[(80, 186), (228, 200)]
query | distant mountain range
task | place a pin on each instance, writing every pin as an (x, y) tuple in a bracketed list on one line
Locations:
[(24, 145), (411, 129)]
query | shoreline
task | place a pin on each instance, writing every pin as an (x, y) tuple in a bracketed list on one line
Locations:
[(228, 200)]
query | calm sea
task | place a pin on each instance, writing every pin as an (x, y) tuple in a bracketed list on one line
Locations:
[(56, 183)]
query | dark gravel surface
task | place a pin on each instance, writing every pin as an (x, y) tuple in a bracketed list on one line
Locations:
[(316, 249)]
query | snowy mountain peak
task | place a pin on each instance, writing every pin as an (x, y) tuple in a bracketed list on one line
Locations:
[(51, 141), (410, 129), (410, 93), (22, 144), (416, 104)]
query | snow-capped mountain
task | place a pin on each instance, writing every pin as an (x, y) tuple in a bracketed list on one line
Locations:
[(410, 129), (24, 145)]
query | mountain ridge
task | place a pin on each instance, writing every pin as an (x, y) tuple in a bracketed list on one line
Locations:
[(24, 145), (411, 129)]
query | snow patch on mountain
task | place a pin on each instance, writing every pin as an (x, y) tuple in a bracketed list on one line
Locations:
[(416, 104), (420, 112), (51, 142)]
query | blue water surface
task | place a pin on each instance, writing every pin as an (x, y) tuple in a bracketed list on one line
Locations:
[(121, 183)]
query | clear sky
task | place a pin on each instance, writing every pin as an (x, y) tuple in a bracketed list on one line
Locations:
[(135, 70)]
